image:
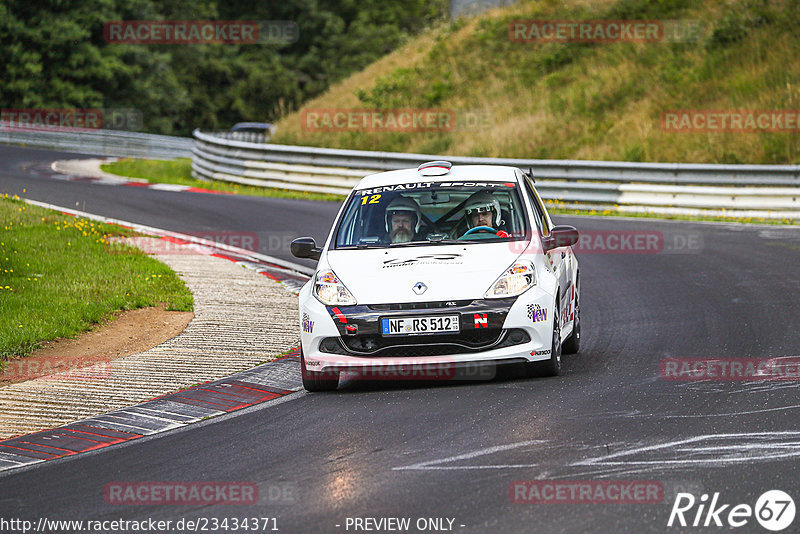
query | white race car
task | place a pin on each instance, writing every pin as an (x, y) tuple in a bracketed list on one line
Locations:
[(432, 271)]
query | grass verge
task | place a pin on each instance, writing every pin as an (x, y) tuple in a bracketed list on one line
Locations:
[(591, 101), (179, 171), (60, 275)]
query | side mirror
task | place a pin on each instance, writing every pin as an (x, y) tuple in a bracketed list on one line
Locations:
[(305, 247), (560, 236)]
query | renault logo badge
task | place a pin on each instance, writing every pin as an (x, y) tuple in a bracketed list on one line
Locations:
[(420, 288)]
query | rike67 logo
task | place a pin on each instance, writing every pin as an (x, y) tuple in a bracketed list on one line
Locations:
[(774, 510)]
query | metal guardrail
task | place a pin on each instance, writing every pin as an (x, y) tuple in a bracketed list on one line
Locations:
[(760, 190), (754, 190), (118, 143), (246, 136)]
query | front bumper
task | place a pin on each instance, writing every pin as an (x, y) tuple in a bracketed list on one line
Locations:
[(480, 322), (496, 330)]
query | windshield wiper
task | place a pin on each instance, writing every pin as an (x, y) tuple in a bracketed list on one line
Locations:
[(407, 243), (440, 242), (360, 246), (450, 241), (363, 246)]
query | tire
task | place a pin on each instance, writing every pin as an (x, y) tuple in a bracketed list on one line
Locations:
[(313, 381), (551, 367), (573, 343)]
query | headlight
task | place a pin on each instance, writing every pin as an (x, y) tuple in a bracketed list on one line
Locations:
[(514, 281), (330, 291)]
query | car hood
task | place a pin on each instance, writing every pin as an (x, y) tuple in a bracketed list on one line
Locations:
[(450, 272)]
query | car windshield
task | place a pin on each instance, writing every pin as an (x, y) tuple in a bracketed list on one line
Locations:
[(427, 213)]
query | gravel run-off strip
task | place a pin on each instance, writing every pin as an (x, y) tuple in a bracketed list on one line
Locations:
[(242, 318)]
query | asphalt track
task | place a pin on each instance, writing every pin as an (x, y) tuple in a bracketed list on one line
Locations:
[(274, 221), (452, 450)]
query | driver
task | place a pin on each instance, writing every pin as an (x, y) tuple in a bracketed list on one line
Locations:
[(402, 219), (482, 209)]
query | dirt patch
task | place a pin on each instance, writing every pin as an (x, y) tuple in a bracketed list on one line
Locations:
[(128, 333)]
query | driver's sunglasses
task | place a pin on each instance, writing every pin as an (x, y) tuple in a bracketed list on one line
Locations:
[(481, 209)]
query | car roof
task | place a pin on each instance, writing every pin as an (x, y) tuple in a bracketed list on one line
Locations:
[(457, 173)]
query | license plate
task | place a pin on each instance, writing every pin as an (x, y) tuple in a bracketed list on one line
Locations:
[(403, 326)]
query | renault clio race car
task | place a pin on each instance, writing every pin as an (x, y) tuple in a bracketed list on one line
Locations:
[(433, 270)]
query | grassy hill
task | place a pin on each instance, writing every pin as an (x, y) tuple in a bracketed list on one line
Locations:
[(583, 100)]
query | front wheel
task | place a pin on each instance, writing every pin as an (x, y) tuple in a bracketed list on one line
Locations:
[(313, 381)]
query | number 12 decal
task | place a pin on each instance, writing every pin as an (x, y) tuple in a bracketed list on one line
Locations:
[(374, 199)]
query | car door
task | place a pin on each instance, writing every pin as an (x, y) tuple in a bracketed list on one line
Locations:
[(558, 259)]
